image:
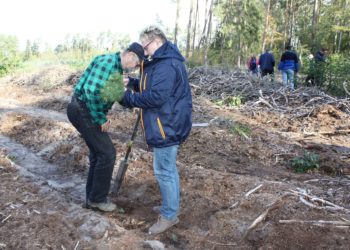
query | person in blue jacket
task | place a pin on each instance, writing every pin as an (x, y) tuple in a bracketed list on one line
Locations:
[(164, 96), (289, 66)]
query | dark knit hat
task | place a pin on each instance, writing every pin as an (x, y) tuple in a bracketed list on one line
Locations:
[(137, 49)]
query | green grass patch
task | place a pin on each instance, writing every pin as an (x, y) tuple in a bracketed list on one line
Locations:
[(241, 130), (230, 101), (309, 161)]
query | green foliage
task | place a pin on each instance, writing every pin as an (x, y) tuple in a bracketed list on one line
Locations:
[(308, 162), (113, 90), (121, 210), (195, 59), (241, 130), (12, 158), (336, 72), (174, 238), (75, 58), (332, 74), (239, 33), (230, 101), (9, 54)]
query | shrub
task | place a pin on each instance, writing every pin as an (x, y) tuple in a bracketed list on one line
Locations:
[(9, 55), (308, 162), (332, 74), (241, 130), (230, 101)]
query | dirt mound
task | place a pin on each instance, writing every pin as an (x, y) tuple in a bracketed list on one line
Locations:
[(47, 78)]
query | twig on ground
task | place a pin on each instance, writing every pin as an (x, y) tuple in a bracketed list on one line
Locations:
[(262, 216), (317, 222), (237, 203), (6, 218), (221, 244), (253, 190), (76, 246), (308, 199)]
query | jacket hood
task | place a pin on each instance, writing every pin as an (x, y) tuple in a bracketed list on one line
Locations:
[(168, 50)]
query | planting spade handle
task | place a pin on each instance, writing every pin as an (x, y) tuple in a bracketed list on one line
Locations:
[(124, 163)]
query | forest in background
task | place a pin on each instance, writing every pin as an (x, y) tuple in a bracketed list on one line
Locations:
[(219, 33)]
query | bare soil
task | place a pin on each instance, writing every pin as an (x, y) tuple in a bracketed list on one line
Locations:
[(43, 166)]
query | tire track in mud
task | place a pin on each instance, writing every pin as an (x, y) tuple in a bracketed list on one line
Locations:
[(44, 171), (11, 105)]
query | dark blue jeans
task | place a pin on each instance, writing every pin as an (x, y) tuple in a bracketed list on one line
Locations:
[(102, 152)]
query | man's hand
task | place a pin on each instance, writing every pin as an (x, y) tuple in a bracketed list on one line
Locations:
[(105, 126)]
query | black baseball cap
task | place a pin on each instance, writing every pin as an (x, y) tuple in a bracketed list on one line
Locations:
[(137, 49)]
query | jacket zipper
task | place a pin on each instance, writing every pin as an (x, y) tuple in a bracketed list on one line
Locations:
[(160, 128)]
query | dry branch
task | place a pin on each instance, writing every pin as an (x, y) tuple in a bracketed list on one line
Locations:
[(76, 246), (253, 190), (216, 84), (316, 202), (262, 216), (317, 222), (237, 203), (6, 218)]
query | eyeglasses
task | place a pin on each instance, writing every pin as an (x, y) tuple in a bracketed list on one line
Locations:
[(148, 44)]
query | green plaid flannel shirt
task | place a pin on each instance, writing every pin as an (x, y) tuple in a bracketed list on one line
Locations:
[(93, 80)]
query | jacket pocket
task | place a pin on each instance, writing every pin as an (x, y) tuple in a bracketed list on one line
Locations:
[(160, 128)]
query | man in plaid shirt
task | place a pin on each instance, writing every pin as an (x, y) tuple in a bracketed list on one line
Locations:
[(87, 111)]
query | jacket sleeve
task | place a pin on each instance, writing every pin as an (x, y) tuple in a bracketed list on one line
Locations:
[(134, 84), (162, 83)]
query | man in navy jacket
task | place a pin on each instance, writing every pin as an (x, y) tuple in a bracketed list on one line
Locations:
[(267, 63), (164, 96)]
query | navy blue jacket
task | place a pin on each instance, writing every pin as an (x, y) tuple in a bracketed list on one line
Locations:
[(320, 57), (267, 61), (289, 60), (164, 95)]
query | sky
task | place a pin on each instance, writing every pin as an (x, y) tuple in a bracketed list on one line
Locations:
[(51, 20)]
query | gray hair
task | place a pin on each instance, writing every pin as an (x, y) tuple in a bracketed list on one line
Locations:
[(152, 32), (134, 57)]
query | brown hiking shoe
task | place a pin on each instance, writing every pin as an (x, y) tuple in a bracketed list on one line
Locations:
[(102, 206), (162, 225)]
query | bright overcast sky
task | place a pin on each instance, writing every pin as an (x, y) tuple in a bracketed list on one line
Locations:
[(52, 20)]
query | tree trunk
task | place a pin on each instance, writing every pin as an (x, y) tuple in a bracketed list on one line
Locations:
[(339, 43), (342, 23), (286, 22), (177, 20), (207, 37), (315, 14), (195, 27), (189, 26), (201, 40), (291, 21), (266, 23)]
